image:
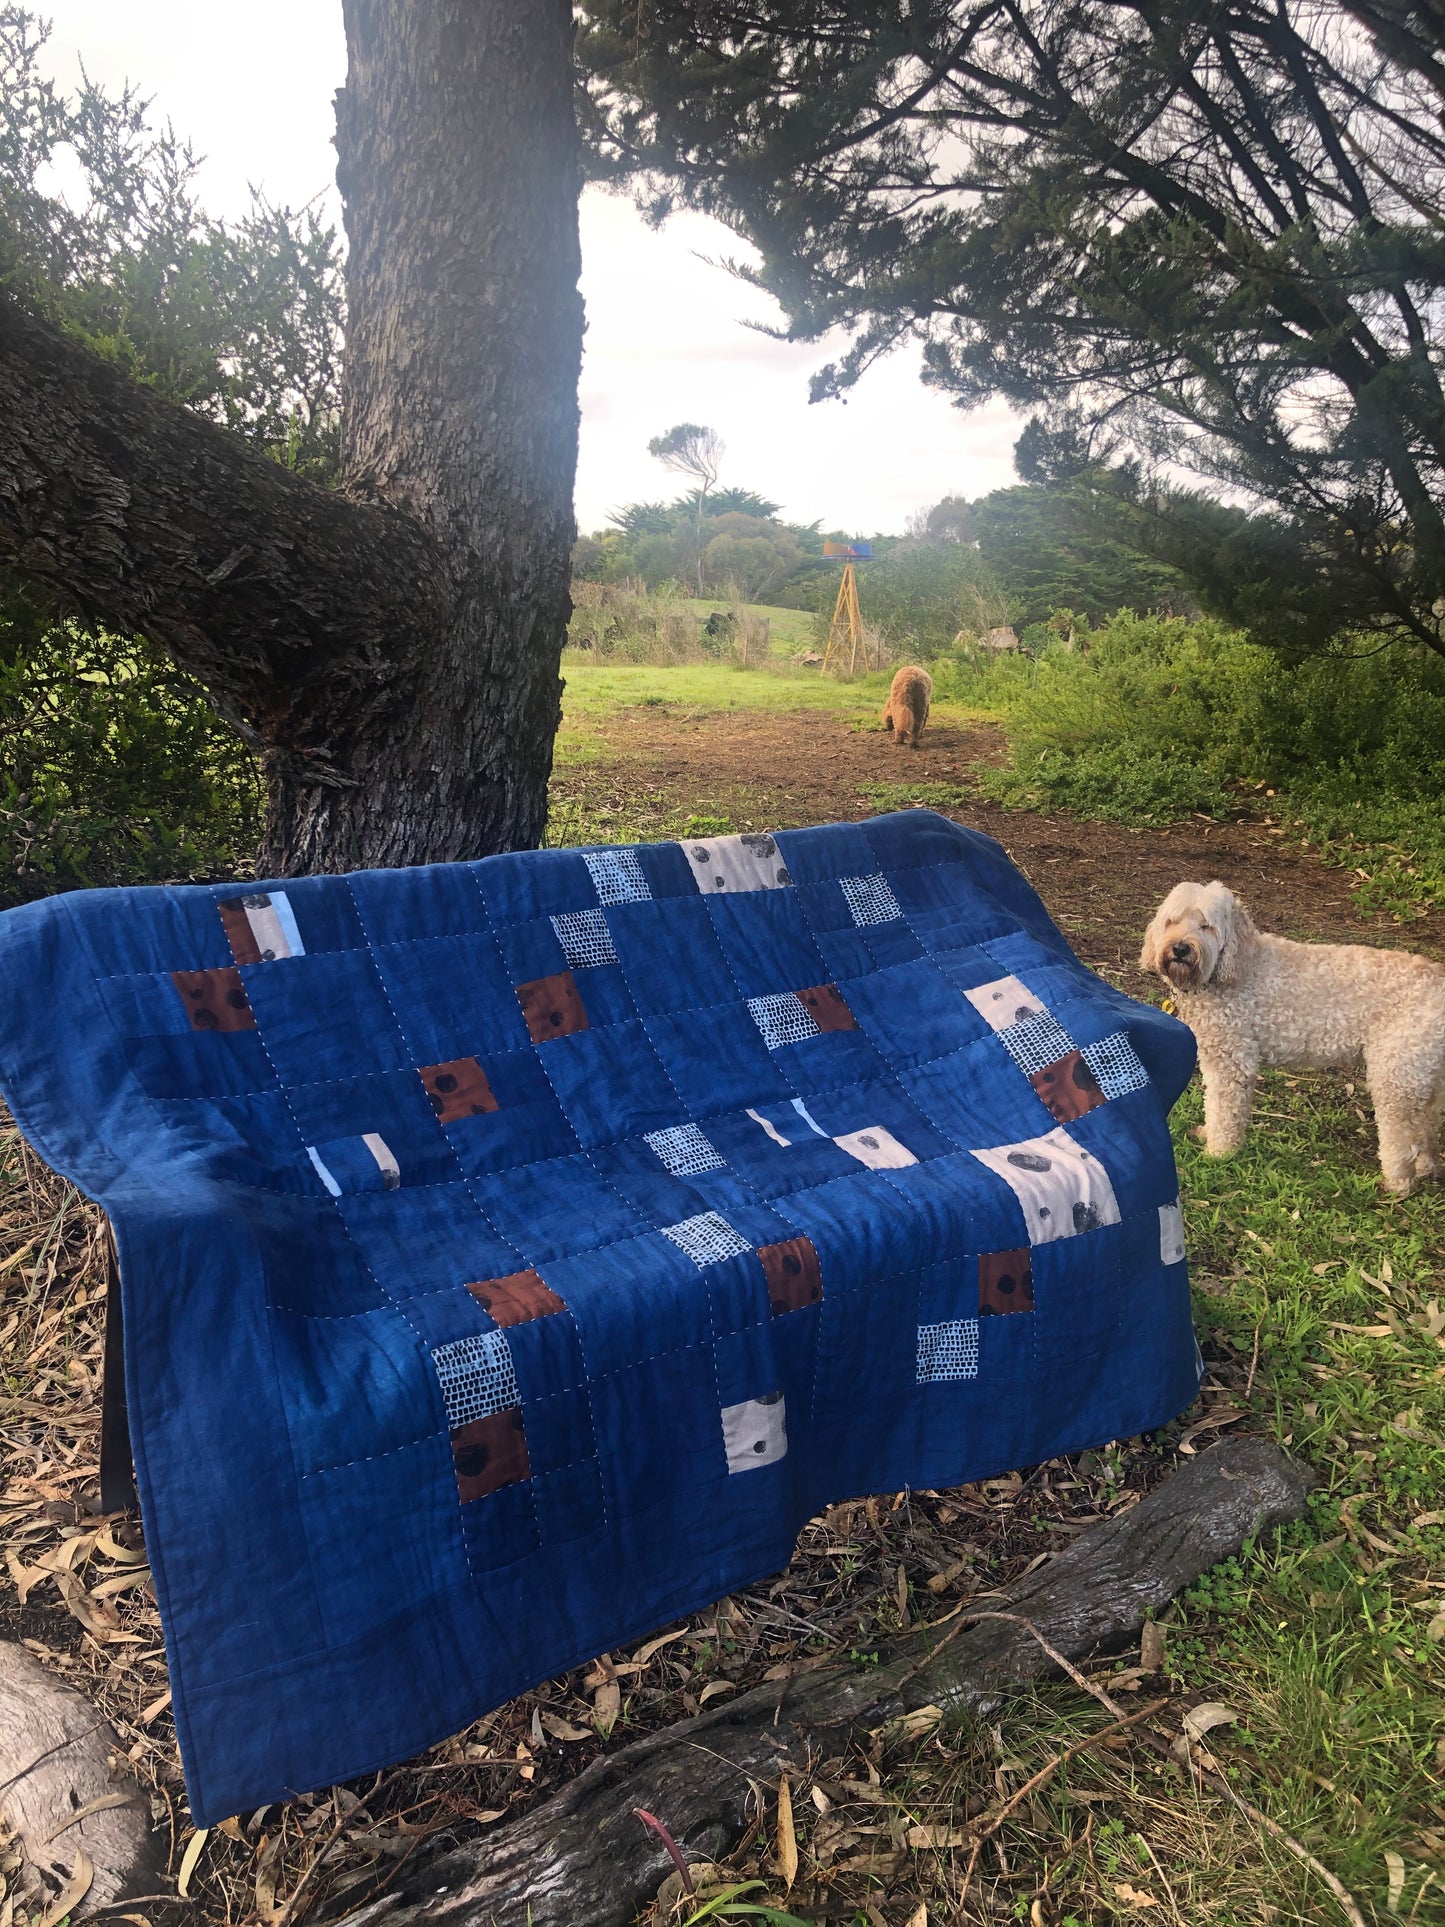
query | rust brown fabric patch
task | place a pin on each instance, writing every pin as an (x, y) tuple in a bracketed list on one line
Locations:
[(794, 1275), (1068, 1088), (490, 1453), (518, 1298), (1005, 1282), (552, 1007), (458, 1089), (215, 999), (824, 1003), (239, 934)]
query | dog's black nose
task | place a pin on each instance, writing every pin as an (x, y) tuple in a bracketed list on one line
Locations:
[(1180, 953)]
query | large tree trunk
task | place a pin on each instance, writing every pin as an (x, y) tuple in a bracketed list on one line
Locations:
[(391, 649), (581, 1858), (459, 173)]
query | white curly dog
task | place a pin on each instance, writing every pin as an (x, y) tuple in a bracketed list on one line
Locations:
[(1258, 1002)]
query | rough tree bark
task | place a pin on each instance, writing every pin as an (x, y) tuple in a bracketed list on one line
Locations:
[(392, 649), (582, 1859)]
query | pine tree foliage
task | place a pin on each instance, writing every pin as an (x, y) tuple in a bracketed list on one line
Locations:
[(1211, 236)]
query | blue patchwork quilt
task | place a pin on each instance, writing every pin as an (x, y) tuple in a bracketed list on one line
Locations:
[(515, 1254)]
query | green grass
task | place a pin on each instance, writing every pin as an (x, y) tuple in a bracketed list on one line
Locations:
[(700, 689)]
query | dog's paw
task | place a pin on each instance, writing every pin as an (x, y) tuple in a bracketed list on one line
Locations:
[(1198, 1133)]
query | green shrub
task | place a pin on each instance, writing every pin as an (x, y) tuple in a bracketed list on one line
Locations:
[(1151, 718), (113, 767)]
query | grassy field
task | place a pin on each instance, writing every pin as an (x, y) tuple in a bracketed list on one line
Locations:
[(1319, 1306)]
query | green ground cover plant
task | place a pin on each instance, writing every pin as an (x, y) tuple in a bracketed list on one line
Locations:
[(1149, 719)]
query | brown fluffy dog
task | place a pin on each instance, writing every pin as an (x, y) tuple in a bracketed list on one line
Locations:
[(906, 710)]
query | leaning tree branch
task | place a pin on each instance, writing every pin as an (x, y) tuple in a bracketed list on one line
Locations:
[(581, 1855), (147, 520)]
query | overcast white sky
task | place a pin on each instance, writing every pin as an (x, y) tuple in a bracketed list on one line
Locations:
[(251, 86)]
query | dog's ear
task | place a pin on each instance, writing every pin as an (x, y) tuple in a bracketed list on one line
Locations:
[(1235, 930), (1149, 955)]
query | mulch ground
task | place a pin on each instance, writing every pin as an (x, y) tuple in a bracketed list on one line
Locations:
[(1100, 881)]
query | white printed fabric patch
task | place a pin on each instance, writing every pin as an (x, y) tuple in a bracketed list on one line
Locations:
[(585, 939), (707, 1239), (477, 1377), (871, 899), (379, 1151), (1171, 1234), (948, 1350), (616, 876), (1036, 1041), (261, 927), (1003, 1002), (783, 1019), (1062, 1189), (876, 1148), (1116, 1066), (755, 1432), (685, 1150), (736, 863)]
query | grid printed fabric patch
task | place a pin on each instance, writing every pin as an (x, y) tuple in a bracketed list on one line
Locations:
[(617, 876), (685, 1150), (948, 1350), (585, 939), (870, 899), (782, 1020), (1036, 1042), (1115, 1064), (707, 1239), (477, 1376), (486, 1415)]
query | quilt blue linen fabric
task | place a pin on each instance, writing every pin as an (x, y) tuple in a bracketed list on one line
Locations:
[(515, 1254)]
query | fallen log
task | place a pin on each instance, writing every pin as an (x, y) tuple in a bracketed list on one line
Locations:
[(84, 1829), (581, 1859)]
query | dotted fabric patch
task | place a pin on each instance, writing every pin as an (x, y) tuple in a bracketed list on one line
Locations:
[(684, 1150), (948, 1350), (585, 939), (1115, 1063), (476, 1376), (707, 1239), (782, 1020), (755, 1432), (617, 876), (870, 899), (1036, 1042)]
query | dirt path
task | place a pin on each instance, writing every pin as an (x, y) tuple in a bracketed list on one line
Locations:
[(766, 770)]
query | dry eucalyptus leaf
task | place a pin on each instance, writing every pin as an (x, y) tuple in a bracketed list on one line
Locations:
[(786, 1846), (72, 1893), (1202, 1719), (936, 1837), (189, 1859)]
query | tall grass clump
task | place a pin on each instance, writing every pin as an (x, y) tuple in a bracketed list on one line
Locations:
[(628, 622), (1151, 718)]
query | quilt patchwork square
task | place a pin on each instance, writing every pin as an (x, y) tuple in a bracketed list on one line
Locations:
[(458, 1089), (948, 1350), (552, 1007), (214, 999), (476, 1376), (870, 899), (617, 876)]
